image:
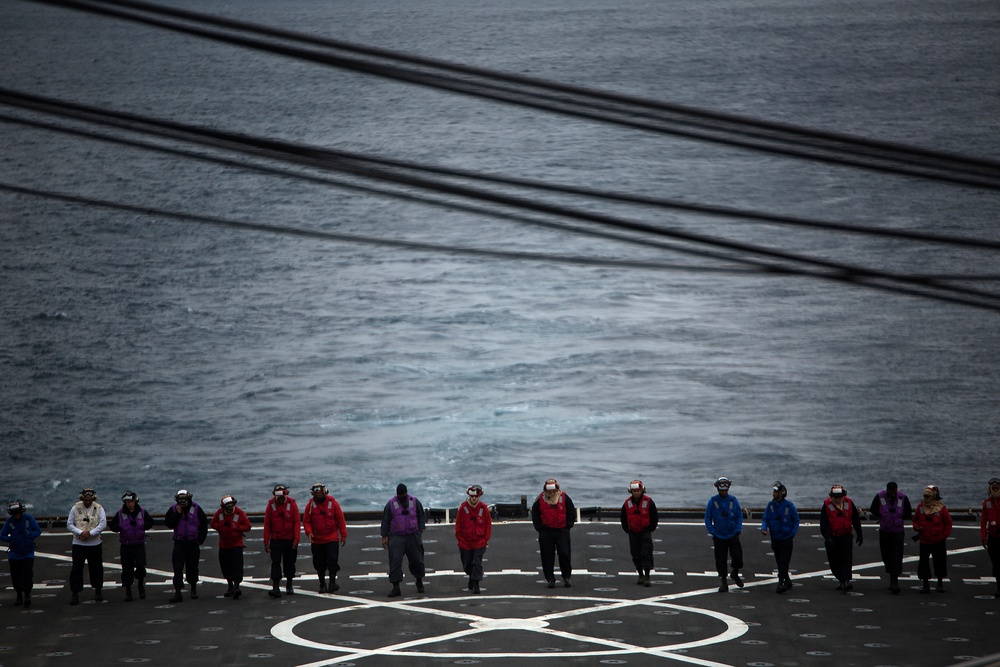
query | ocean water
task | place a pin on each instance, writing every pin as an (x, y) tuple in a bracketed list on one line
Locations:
[(146, 353)]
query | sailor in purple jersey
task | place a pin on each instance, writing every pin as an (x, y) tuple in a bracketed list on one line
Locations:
[(131, 523), (190, 526), (403, 522), (893, 510)]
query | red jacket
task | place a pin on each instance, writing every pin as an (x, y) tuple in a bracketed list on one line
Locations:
[(989, 520), (473, 526), (230, 527), (933, 527), (324, 521), (281, 522)]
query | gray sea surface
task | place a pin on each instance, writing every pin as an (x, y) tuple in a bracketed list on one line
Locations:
[(143, 352)]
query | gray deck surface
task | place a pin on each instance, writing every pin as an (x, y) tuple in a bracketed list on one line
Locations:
[(604, 619)]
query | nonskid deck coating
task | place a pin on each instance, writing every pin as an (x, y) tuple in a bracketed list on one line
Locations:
[(604, 619)]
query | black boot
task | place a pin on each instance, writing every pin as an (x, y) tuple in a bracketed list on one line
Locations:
[(27, 600), (725, 585), (274, 592), (237, 593), (128, 594), (940, 586), (334, 586), (98, 595), (177, 596), (288, 588), (646, 581), (229, 589), (420, 585), (322, 584), (471, 584), (20, 599), (194, 591), (475, 587), (736, 577), (142, 590), (75, 599), (395, 592), (927, 587)]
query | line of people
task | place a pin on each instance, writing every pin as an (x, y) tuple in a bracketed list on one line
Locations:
[(553, 515)]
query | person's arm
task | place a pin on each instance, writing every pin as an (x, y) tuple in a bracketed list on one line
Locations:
[(341, 522), (654, 516), (570, 512)]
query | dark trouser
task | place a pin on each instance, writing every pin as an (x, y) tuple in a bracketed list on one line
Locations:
[(185, 556), (412, 546), (640, 546), (726, 549), (891, 546), (782, 556), (231, 564), (326, 558), (840, 553), (283, 555), (94, 558), (133, 563), (993, 548), (472, 562), (939, 551), (22, 574), (552, 541)]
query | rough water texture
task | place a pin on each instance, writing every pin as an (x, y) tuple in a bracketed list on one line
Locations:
[(146, 353)]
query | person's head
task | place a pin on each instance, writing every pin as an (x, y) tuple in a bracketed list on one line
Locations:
[(88, 496), (636, 488), (228, 504), (994, 486), (474, 492), (184, 499), (778, 491), (723, 484), (15, 509), (931, 492), (838, 492), (129, 499), (550, 488), (318, 491), (401, 492), (280, 493), (891, 489)]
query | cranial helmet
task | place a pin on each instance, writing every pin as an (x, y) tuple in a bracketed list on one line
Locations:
[(474, 490), (723, 483), (837, 490), (636, 485), (130, 495), (935, 492), (279, 490), (88, 493), (227, 500), (318, 488), (183, 497), (15, 507), (551, 485)]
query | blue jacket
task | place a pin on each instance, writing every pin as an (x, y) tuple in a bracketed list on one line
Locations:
[(723, 517), (21, 534), (781, 519)]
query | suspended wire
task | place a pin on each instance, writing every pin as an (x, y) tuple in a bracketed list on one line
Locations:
[(323, 159), (479, 252), (577, 101)]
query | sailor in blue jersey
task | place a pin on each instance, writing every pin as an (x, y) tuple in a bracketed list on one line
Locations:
[(131, 523), (781, 519), (190, 526), (403, 522), (893, 510), (724, 522), (20, 532)]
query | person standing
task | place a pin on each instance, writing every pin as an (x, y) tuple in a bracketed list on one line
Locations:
[(989, 527), (190, 526), (327, 531), (131, 523), (20, 531), (724, 521), (639, 519), (838, 518), (781, 520), (403, 524), (553, 515), (893, 509), (473, 529), (282, 530), (932, 522), (232, 524), (87, 520)]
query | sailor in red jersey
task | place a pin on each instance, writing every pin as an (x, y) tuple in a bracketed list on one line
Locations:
[(473, 529), (639, 520), (281, 538), (323, 521), (989, 527), (553, 515), (932, 522), (837, 520), (232, 524)]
